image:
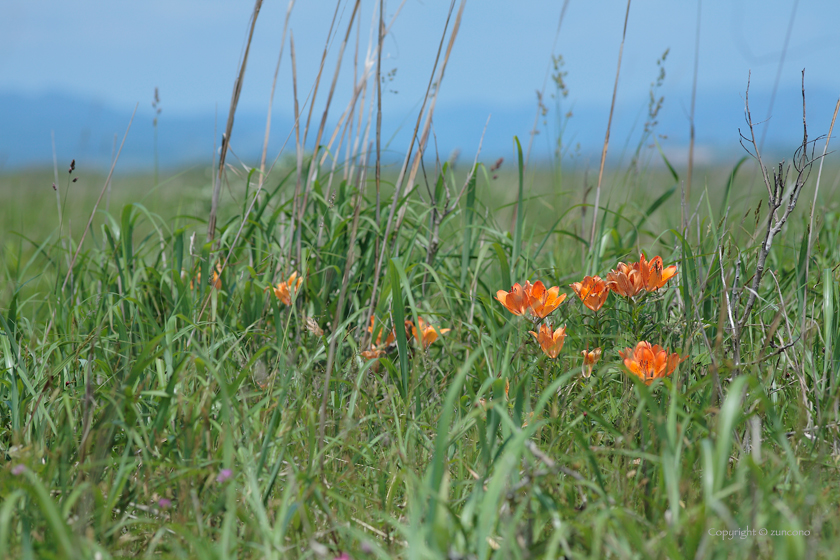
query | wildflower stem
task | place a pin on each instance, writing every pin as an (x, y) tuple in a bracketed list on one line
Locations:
[(597, 316)]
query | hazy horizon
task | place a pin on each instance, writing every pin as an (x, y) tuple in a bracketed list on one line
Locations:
[(78, 72)]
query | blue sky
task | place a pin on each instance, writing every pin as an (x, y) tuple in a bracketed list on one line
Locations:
[(115, 53)]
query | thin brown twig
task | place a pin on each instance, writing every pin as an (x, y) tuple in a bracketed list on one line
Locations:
[(776, 191), (691, 118), (368, 63), (313, 172), (813, 208), (438, 215), (421, 145), (609, 125), (98, 200), (271, 97), (774, 225), (299, 205), (381, 38), (779, 68), (541, 93), (339, 310), (399, 182), (320, 70), (234, 101), (236, 238), (450, 208), (298, 151), (57, 187)]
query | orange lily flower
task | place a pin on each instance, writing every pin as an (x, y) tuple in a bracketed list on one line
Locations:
[(517, 300), (654, 274), (373, 353), (589, 361), (377, 349), (631, 279), (626, 280), (542, 301), (283, 291), (426, 334), (592, 291), (533, 298), (550, 342), (389, 339), (649, 362)]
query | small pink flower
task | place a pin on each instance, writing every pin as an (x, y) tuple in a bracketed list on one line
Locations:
[(224, 474), (343, 556), (165, 503), (17, 470)]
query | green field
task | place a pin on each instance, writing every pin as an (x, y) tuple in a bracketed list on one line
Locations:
[(169, 393), (147, 413)]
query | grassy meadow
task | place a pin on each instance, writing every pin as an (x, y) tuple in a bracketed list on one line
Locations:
[(169, 394)]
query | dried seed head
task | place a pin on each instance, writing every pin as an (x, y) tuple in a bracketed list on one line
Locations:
[(72, 166)]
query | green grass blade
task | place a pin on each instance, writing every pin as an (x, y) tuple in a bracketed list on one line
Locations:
[(469, 210), (398, 314), (520, 210)]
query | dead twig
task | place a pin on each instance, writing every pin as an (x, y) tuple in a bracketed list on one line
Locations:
[(609, 125), (339, 310), (691, 118), (813, 208), (234, 101), (399, 182), (776, 219), (98, 200)]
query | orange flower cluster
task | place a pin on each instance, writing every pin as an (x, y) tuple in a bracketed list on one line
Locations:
[(283, 291), (426, 334), (533, 298), (550, 342), (649, 362), (377, 349), (629, 280)]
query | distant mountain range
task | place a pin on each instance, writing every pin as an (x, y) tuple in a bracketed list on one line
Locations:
[(85, 129)]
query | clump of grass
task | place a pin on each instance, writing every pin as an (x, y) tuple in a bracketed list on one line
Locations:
[(166, 397)]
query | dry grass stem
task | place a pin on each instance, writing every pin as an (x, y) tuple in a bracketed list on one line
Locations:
[(234, 102), (607, 136), (399, 181), (98, 200)]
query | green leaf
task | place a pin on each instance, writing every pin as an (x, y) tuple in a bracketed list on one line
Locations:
[(517, 236), (58, 528), (729, 183), (466, 249), (730, 414), (651, 209), (673, 171), (503, 264), (398, 314)]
